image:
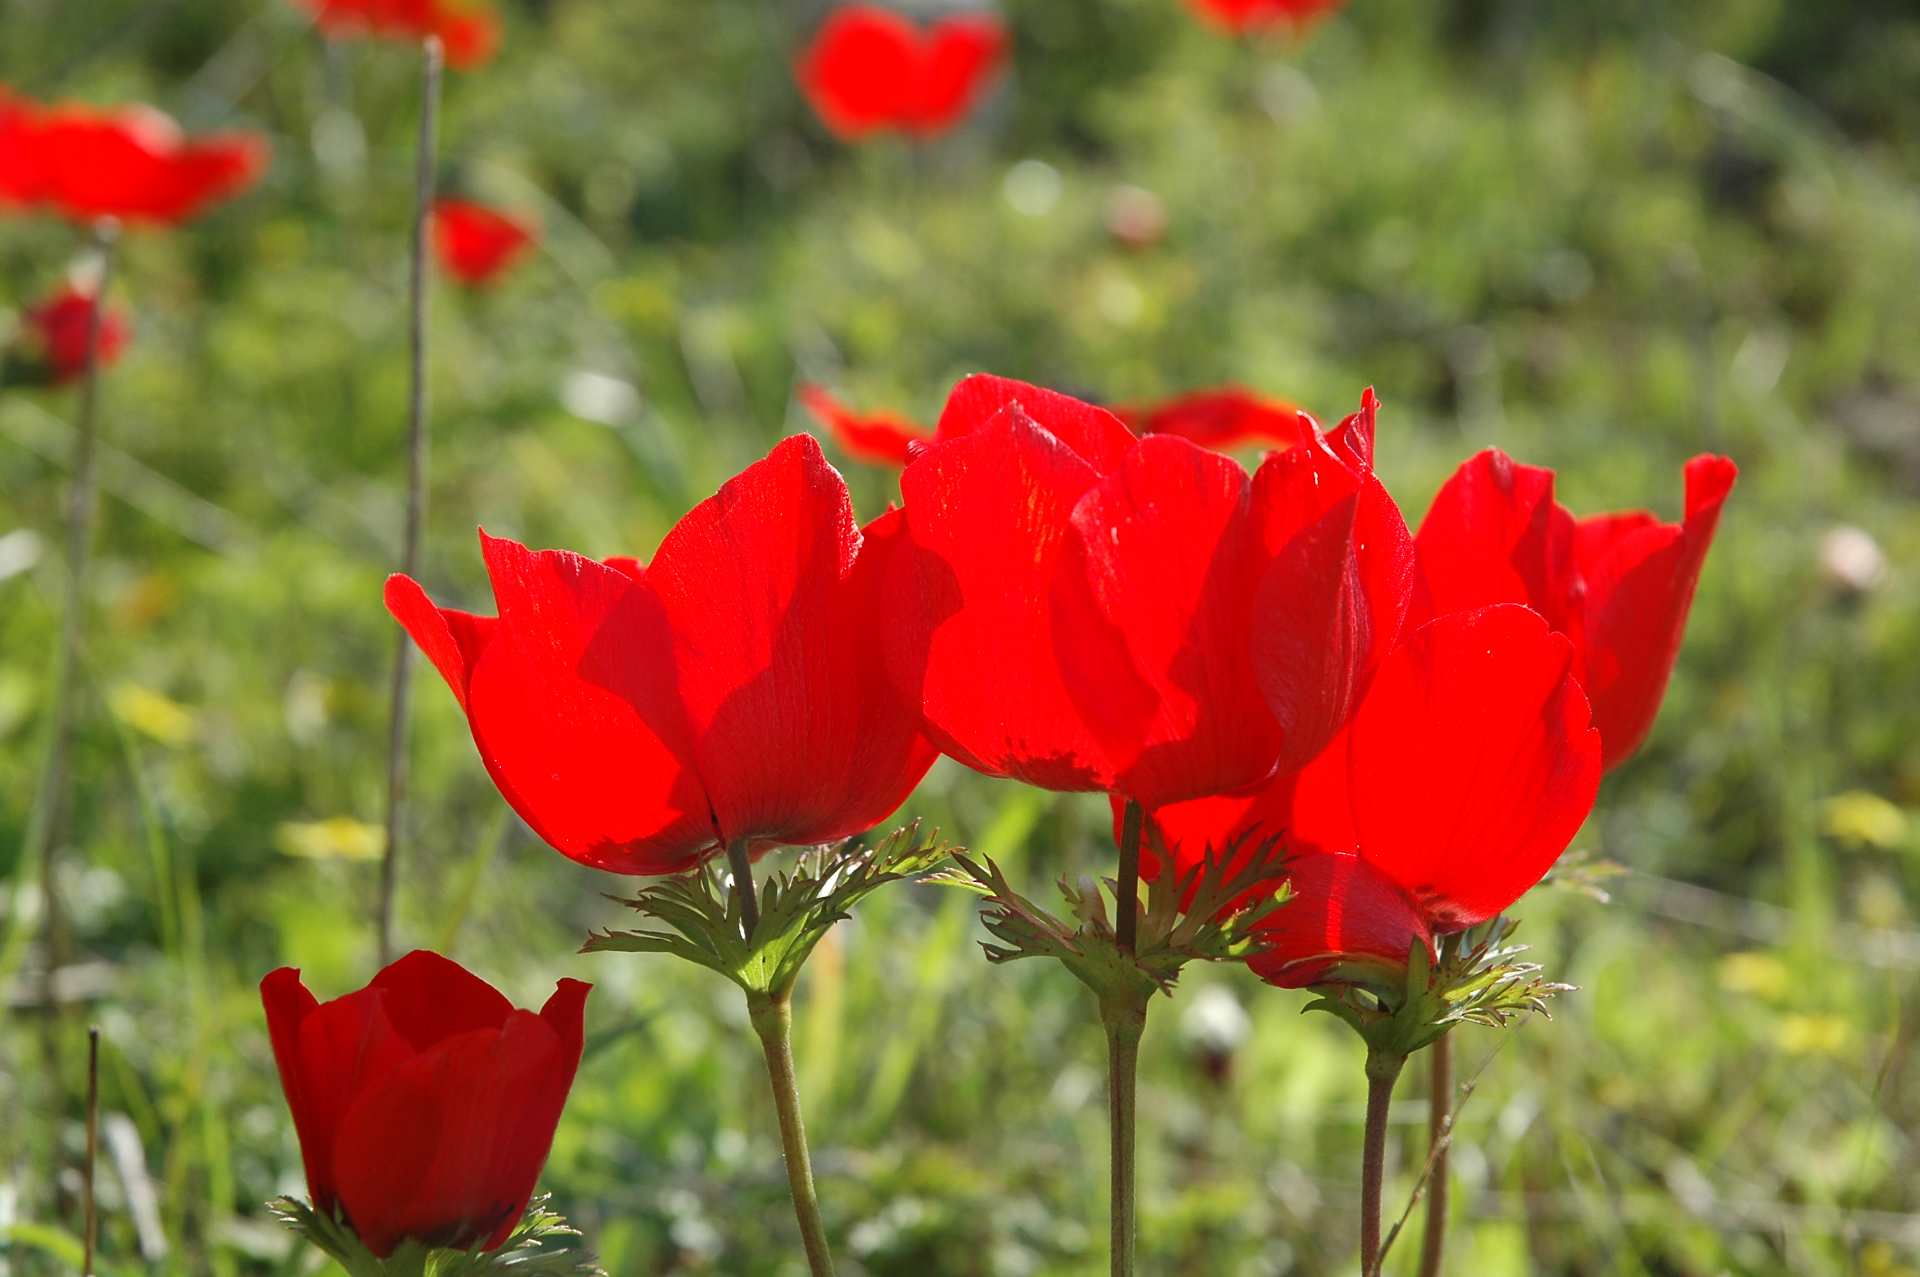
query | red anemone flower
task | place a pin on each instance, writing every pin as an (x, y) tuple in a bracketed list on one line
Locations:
[(1247, 15), (425, 1103), (879, 438), (1618, 585), (469, 32), (58, 329), (870, 69), (641, 718), (476, 243), (131, 163), (1467, 770), (1225, 417), (1083, 609)]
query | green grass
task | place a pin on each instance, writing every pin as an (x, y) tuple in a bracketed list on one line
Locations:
[(1603, 237)]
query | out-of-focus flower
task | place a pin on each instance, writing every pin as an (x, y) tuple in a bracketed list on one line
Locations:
[(880, 438), (1465, 773), (1865, 819), (1083, 609), (1249, 15), (1223, 417), (131, 163), (476, 244), (1619, 585), (1136, 217), (468, 31), (334, 838), (1852, 560), (641, 718), (55, 334), (151, 713), (425, 1103), (869, 70)]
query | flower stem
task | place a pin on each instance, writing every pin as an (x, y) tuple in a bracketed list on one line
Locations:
[(740, 866), (1439, 1118), (430, 59), (1383, 1069), (1126, 902), (773, 1020), (92, 1216), (1125, 1018)]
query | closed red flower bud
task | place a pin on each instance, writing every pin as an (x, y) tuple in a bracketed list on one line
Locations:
[(425, 1103), (58, 330), (476, 243), (1086, 610), (869, 70), (469, 31), (1466, 771), (880, 438), (1619, 585), (1248, 15), (131, 163), (641, 718)]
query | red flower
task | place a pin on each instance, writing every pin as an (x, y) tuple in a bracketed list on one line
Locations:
[(1618, 585), (1086, 610), (640, 718), (476, 243), (1467, 770), (880, 438), (1222, 418), (1246, 15), (425, 1103), (131, 163), (469, 32), (58, 330), (869, 69)]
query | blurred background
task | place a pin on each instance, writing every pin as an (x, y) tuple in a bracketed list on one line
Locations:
[(1602, 236)]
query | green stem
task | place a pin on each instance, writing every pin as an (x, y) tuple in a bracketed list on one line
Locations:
[(1433, 1244), (1125, 1018), (89, 1204), (773, 1020), (397, 716), (740, 866), (1127, 898), (1383, 1069)]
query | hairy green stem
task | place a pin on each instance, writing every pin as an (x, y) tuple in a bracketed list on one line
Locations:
[(1383, 1069), (1433, 1244), (416, 517), (1125, 1018), (740, 866), (773, 1021)]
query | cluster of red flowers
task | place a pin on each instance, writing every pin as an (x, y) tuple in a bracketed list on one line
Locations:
[(469, 32), (131, 163), (1069, 603)]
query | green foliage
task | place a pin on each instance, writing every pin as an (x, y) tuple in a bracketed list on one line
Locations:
[(525, 1253)]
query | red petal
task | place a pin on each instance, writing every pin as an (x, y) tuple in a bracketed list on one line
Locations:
[(526, 1134), (1473, 762), (1224, 418), (1097, 436), (1342, 911), (1638, 578), (858, 72), (1168, 553), (477, 244), (573, 708), (1334, 595), (438, 1149), (429, 998), (880, 438), (1352, 439), (340, 1048), (987, 512), (957, 58), (451, 639), (798, 735), (288, 1004), (1495, 535)]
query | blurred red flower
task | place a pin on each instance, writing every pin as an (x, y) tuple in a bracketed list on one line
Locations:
[(880, 438), (1618, 585), (57, 331), (1222, 417), (1246, 15), (131, 163), (476, 243), (1083, 609), (641, 718), (1467, 770), (425, 1103), (869, 69), (469, 32)]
